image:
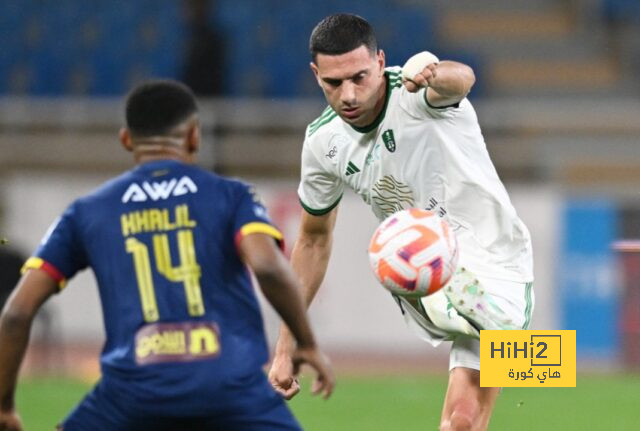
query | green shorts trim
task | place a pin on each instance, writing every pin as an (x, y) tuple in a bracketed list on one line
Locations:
[(529, 308)]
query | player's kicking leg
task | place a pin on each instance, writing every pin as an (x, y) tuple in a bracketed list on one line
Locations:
[(486, 304), (468, 304), (473, 302), (467, 406)]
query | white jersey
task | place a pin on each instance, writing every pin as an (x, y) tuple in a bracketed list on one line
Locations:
[(415, 155)]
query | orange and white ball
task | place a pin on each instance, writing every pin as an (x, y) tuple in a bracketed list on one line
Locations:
[(413, 253)]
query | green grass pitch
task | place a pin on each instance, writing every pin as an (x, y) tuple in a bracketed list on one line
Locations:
[(599, 402)]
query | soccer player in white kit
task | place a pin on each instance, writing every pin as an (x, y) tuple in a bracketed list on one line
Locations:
[(402, 143)]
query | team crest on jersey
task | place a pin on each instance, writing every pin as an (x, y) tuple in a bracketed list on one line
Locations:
[(159, 190), (389, 140)]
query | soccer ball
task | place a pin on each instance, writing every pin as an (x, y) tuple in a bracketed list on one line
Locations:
[(413, 253)]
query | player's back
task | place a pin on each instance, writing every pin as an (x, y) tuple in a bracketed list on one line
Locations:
[(181, 318)]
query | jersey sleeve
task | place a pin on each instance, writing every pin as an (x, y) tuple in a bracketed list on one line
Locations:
[(60, 253), (252, 217), (319, 190), (417, 104)]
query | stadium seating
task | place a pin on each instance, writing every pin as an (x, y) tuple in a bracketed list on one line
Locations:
[(621, 10), (100, 48)]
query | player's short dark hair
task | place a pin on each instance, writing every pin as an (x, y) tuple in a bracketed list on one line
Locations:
[(341, 33), (155, 107)]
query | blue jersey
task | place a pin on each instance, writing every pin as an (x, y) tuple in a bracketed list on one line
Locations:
[(182, 322)]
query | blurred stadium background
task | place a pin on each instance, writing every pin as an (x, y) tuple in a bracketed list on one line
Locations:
[(558, 96)]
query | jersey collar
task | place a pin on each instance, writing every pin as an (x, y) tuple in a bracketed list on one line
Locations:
[(158, 164)]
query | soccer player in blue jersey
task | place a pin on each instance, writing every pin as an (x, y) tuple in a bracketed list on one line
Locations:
[(169, 244)]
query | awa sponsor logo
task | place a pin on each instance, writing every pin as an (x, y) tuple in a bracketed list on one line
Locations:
[(159, 190)]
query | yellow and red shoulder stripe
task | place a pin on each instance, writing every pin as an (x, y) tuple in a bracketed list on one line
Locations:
[(260, 227), (52, 271)]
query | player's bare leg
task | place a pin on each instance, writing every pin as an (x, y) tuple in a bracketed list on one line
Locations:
[(467, 406)]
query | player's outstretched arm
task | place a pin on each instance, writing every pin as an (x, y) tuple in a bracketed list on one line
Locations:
[(33, 290), (309, 260), (280, 287), (447, 82)]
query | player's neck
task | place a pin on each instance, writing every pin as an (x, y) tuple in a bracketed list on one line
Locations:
[(155, 152), (382, 98)]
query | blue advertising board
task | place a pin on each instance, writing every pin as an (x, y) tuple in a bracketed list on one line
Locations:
[(589, 279)]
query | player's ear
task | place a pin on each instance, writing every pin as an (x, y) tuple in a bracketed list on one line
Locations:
[(193, 138), (125, 139), (381, 60), (314, 69)]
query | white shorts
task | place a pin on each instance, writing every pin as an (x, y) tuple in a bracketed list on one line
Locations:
[(435, 320)]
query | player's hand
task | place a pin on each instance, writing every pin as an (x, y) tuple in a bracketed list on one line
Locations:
[(282, 377), (324, 381), (10, 421), (422, 79)]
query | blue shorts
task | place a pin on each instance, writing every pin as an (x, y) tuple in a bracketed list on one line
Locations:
[(102, 410)]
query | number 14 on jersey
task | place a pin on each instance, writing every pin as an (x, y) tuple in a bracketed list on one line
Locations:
[(187, 272)]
